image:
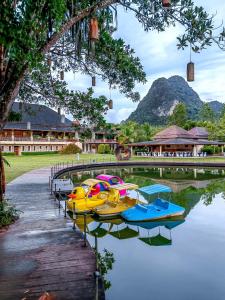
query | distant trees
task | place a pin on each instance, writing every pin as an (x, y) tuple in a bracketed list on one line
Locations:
[(206, 113), (179, 116), (131, 132)]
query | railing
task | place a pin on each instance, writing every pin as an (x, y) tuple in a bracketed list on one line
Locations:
[(171, 154), (35, 139), (6, 138), (100, 141), (64, 165)]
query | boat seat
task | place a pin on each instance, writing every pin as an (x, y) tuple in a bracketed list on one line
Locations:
[(142, 207), (161, 203)]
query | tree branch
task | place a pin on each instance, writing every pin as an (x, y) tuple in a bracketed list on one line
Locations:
[(82, 14)]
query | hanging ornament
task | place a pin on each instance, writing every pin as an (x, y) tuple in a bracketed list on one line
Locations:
[(61, 75), (94, 31), (93, 81), (190, 69), (166, 3), (110, 104)]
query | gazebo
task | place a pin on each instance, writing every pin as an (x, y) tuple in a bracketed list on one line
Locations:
[(176, 141)]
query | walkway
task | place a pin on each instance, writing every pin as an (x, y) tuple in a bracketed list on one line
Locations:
[(41, 252)]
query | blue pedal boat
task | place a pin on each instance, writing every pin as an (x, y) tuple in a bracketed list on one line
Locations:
[(159, 209)]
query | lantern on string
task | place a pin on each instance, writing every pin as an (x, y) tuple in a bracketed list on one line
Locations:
[(61, 75), (94, 34), (93, 81), (166, 3), (110, 104), (94, 31), (190, 71)]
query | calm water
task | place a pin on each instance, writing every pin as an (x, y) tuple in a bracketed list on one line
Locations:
[(182, 259)]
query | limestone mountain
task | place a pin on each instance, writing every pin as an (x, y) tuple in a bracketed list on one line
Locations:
[(163, 96)]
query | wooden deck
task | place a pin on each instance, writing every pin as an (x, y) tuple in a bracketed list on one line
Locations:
[(41, 252)]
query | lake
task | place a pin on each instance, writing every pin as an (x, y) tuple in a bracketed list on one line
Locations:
[(172, 259)]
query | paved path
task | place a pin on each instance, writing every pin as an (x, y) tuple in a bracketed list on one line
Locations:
[(41, 252)]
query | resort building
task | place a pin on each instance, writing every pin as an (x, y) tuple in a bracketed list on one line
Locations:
[(176, 141), (42, 129)]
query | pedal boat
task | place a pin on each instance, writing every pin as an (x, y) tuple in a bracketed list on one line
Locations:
[(159, 209), (89, 194), (113, 180), (114, 208)]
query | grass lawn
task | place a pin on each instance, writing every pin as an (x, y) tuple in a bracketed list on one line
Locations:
[(23, 164)]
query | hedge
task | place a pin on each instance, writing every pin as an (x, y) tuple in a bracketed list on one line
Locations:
[(39, 153), (8, 153)]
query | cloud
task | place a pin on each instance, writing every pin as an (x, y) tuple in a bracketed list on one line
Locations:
[(117, 115)]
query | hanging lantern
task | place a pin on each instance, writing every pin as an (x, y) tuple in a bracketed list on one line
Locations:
[(94, 32), (93, 81), (110, 104), (61, 75), (190, 71), (166, 3)]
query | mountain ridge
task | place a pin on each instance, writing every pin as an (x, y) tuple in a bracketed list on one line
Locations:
[(162, 97)]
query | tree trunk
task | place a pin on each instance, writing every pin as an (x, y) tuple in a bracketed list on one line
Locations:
[(2, 177), (12, 75)]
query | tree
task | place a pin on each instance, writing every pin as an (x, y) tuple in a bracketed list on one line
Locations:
[(179, 115), (206, 113), (40, 40), (131, 132)]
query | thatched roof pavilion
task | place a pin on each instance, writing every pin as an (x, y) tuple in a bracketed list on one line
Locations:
[(176, 139)]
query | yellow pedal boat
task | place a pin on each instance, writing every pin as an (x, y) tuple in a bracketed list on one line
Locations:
[(89, 194), (114, 208)]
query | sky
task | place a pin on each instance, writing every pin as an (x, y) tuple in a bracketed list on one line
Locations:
[(161, 58)]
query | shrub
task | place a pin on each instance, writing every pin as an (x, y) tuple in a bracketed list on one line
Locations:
[(39, 153), (8, 214), (71, 149), (211, 149), (8, 153), (104, 149)]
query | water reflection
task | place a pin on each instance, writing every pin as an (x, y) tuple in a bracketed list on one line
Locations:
[(152, 258)]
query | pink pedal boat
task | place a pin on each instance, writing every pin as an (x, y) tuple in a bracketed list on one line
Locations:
[(112, 180)]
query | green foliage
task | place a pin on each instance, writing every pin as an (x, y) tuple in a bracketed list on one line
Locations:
[(179, 115), (71, 149), (39, 153), (211, 149), (206, 113), (14, 116), (131, 132), (105, 261), (8, 214), (104, 149), (33, 32), (8, 153)]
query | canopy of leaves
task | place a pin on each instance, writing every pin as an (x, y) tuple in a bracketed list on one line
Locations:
[(60, 31), (131, 132), (179, 115)]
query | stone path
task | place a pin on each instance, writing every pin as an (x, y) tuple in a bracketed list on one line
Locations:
[(41, 252)]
